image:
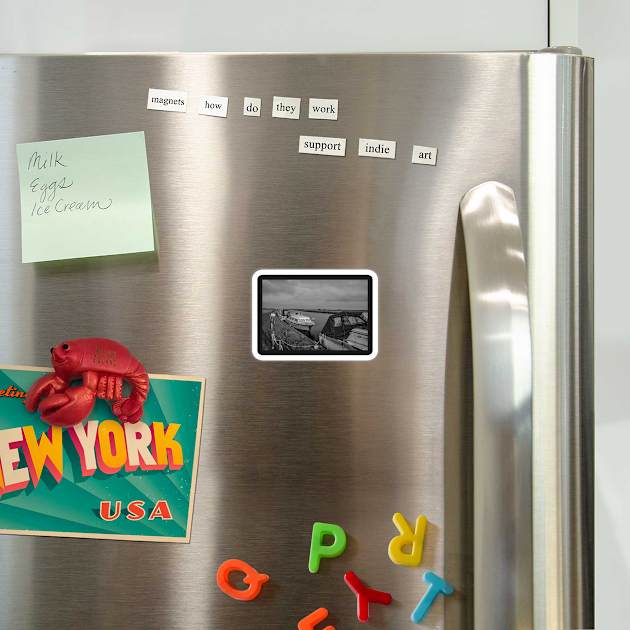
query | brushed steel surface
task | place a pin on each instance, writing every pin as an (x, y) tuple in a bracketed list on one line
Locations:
[(560, 273), (502, 372), (283, 444)]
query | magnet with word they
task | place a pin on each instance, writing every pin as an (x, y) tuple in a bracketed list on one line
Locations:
[(252, 577), (407, 537), (319, 550)]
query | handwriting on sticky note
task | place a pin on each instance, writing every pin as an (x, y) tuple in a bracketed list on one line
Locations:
[(46, 186), (84, 197)]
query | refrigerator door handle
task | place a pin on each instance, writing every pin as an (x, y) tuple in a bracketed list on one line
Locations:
[(502, 375)]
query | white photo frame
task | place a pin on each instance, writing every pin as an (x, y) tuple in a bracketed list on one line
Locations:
[(315, 356)]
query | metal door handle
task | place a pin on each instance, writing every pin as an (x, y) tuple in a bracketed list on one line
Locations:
[(502, 374)]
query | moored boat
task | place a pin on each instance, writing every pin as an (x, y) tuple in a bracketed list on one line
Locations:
[(300, 321), (358, 339), (345, 332)]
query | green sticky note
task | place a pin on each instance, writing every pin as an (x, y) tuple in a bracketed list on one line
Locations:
[(85, 197)]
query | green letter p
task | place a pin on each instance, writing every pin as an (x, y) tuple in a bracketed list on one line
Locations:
[(319, 551)]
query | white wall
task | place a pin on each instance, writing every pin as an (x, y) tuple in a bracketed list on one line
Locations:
[(603, 28), (253, 25)]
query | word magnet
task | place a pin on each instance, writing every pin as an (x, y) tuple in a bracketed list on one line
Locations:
[(407, 537), (377, 148), (323, 108), (167, 100), (285, 107), (424, 155), (213, 105), (322, 146), (365, 596), (252, 577), (319, 550), (251, 106)]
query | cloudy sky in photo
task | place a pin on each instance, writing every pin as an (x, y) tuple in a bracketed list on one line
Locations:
[(321, 294)]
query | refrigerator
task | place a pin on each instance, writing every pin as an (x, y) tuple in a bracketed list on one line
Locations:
[(472, 406)]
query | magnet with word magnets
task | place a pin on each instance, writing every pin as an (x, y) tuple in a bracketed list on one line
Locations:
[(102, 364), (365, 596), (319, 550), (252, 577), (309, 623), (436, 586), (407, 537)]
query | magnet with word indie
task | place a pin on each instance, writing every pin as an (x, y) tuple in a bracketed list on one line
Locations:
[(102, 364), (436, 586), (252, 577), (319, 550), (365, 595), (407, 537), (309, 623)]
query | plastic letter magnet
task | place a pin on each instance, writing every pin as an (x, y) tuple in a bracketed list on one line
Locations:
[(319, 551), (365, 596), (308, 623), (252, 577), (436, 586), (407, 537)]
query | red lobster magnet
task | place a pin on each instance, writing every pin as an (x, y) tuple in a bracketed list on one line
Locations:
[(102, 364)]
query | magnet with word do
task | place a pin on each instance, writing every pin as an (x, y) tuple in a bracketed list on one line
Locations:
[(309, 622), (407, 537), (252, 577), (319, 550)]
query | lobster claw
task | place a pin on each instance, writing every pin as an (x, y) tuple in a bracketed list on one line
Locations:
[(127, 410), (68, 408), (43, 386)]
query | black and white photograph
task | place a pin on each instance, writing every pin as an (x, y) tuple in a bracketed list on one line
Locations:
[(315, 315)]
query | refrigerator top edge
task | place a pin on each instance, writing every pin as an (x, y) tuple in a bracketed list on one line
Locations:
[(419, 53)]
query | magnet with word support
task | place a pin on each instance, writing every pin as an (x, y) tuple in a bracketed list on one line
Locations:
[(309, 623), (252, 577), (319, 550), (365, 596), (407, 537), (436, 586)]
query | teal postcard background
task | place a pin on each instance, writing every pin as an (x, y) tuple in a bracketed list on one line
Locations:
[(72, 505)]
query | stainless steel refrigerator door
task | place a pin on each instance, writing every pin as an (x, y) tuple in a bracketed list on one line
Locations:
[(288, 444)]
